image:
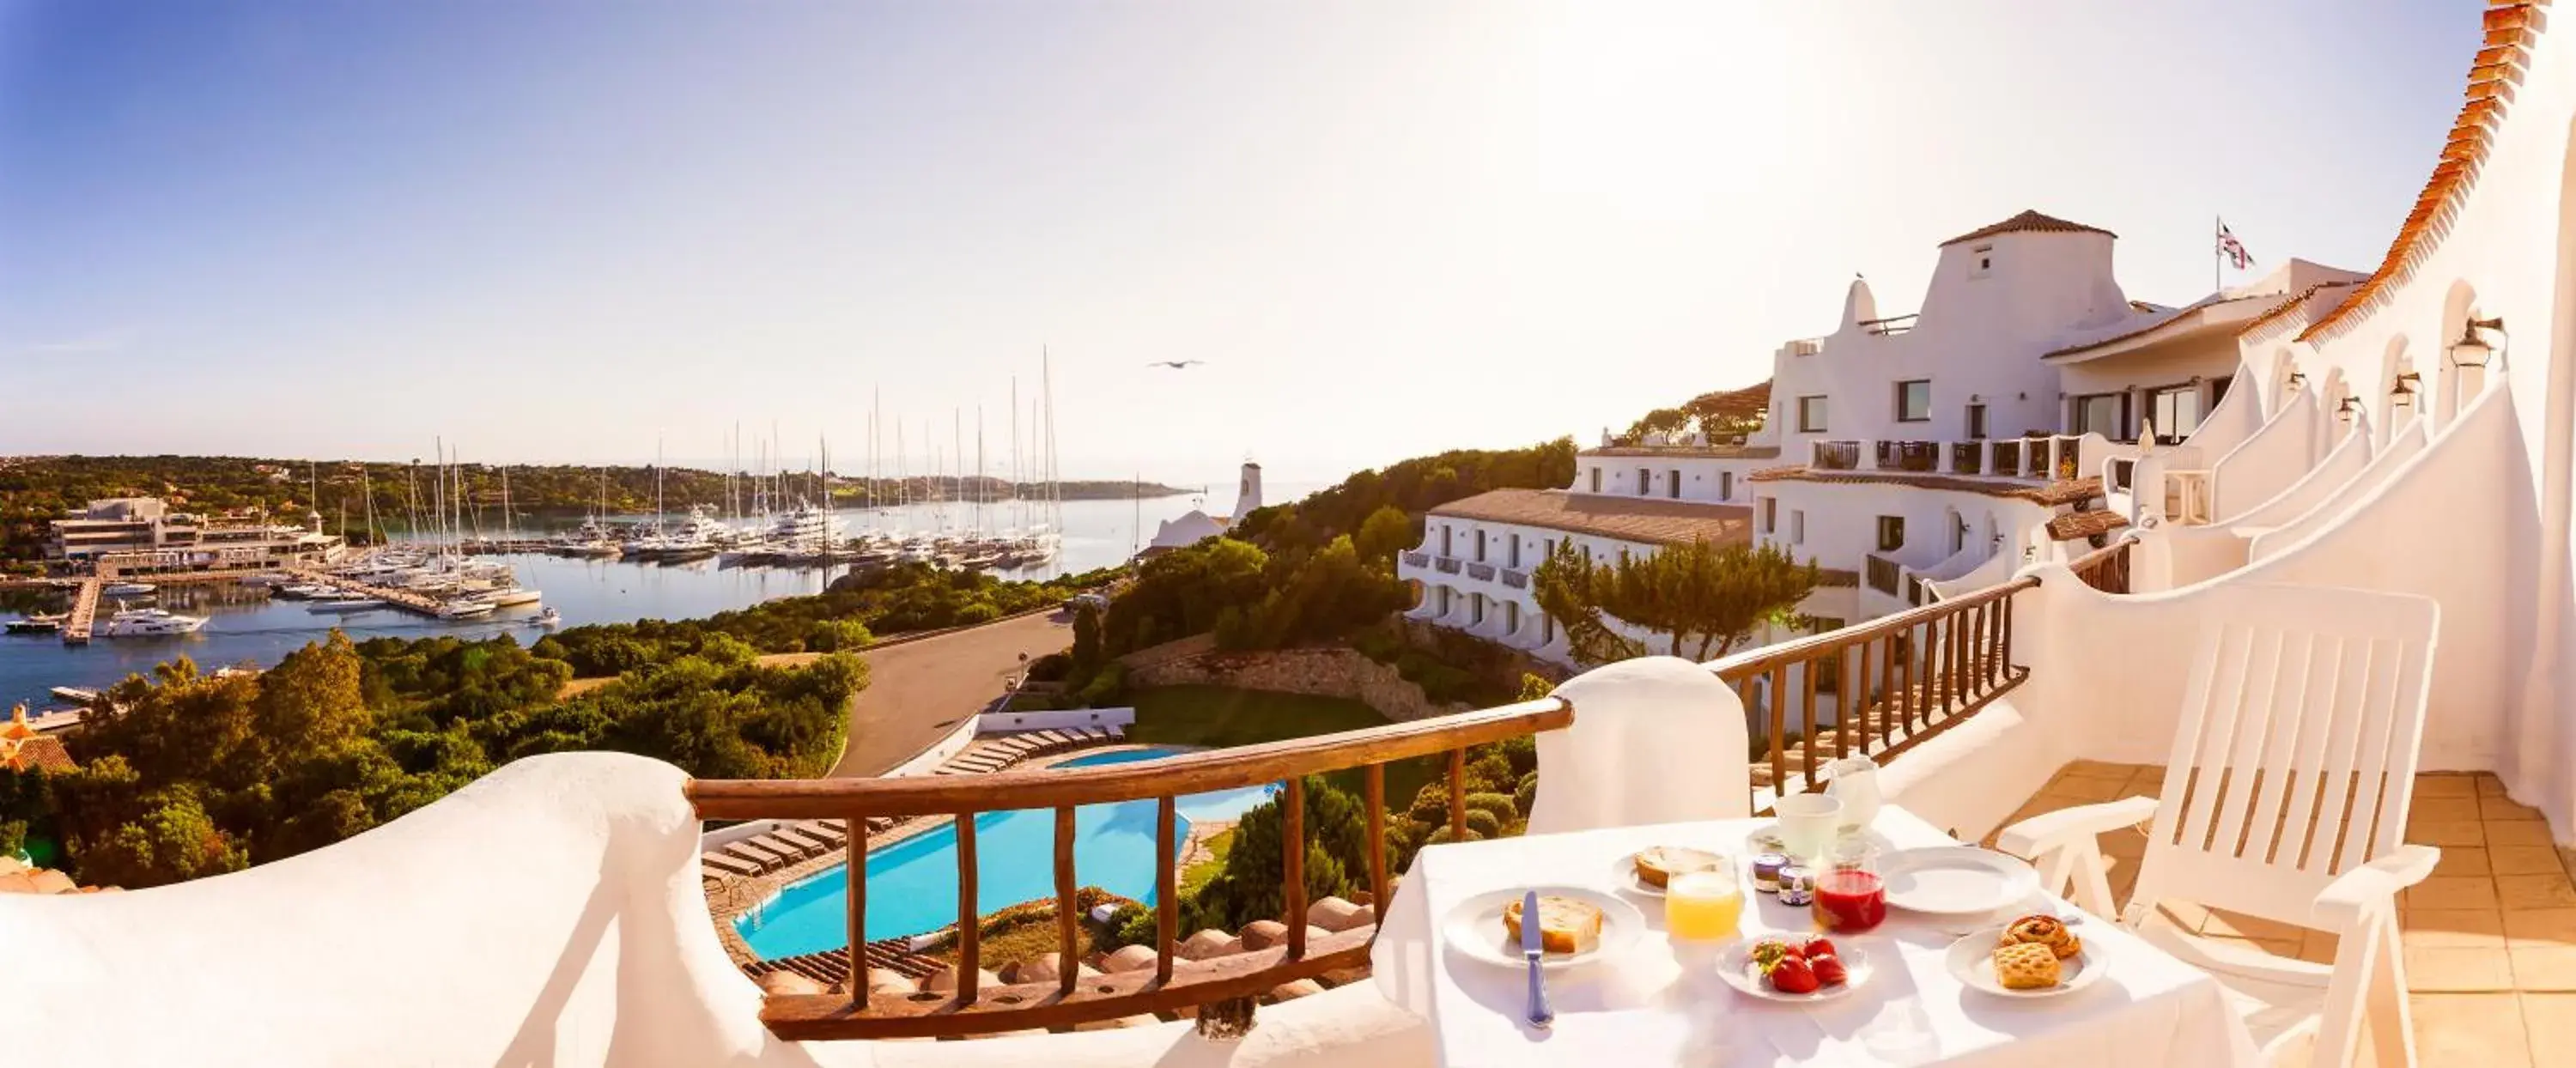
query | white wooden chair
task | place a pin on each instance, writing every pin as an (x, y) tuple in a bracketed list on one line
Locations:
[(2285, 798)]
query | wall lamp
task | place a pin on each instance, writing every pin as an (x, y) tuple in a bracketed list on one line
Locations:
[(2297, 380), (2403, 395), (2344, 410), (2471, 350)]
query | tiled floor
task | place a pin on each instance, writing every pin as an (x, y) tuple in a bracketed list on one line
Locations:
[(2490, 939)]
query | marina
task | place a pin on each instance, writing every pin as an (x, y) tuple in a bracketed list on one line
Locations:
[(256, 624)]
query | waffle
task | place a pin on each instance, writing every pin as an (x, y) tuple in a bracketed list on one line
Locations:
[(2025, 966)]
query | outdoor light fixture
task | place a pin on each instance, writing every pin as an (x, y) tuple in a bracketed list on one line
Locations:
[(2471, 350), (2344, 410), (2297, 380), (2404, 395)]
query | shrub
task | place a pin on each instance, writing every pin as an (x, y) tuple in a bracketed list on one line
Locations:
[(1107, 686), (1441, 834), (1483, 824), (1490, 774), (1430, 804), (1500, 805), (1527, 796), (1050, 668)]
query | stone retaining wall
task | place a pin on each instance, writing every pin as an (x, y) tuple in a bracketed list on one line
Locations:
[(1318, 672)]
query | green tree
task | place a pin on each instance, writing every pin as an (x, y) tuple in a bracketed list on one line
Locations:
[(1086, 645), (1250, 886), (1704, 597), (1387, 532)]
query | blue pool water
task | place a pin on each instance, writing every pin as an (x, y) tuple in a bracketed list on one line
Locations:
[(912, 884)]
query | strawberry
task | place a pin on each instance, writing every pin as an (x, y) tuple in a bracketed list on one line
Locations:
[(1793, 976), (1829, 970), (1818, 947)]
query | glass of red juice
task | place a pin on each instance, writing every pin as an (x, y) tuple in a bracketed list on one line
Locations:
[(1850, 895)]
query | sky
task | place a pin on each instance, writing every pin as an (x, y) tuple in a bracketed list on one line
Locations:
[(576, 231)]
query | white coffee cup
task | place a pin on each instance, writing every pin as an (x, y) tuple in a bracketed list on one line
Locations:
[(1808, 823)]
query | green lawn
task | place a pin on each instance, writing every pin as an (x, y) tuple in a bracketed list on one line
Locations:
[(1219, 716)]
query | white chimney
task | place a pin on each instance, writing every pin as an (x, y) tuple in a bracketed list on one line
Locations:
[(1247, 496)]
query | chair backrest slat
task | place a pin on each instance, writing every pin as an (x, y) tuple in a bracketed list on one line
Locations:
[(2294, 754)]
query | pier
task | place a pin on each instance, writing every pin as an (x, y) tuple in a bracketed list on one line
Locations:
[(84, 612), (408, 599)]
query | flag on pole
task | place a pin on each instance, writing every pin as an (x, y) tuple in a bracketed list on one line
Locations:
[(2231, 248)]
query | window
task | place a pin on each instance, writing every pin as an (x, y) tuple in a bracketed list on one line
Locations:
[(1726, 485), (1811, 415), (1516, 550), (1444, 540), (1985, 255), (2175, 410), (1891, 533), (1914, 401), (1645, 481), (1511, 617), (1674, 487), (2218, 389), (1444, 600), (1976, 421), (1476, 609), (1797, 526), (2099, 413), (1770, 514), (1824, 624), (1480, 545)]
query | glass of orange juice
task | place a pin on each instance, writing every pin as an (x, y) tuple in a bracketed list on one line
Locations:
[(1704, 906)]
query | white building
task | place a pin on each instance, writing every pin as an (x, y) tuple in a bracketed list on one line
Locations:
[(142, 533), (2451, 477), (1196, 525)]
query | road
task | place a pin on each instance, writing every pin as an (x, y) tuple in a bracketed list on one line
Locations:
[(919, 691)]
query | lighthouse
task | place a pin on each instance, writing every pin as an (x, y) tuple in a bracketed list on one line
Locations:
[(1248, 495)]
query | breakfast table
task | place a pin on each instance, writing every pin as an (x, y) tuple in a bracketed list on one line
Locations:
[(1659, 1002)]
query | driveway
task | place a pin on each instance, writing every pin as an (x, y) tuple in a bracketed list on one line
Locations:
[(919, 691)]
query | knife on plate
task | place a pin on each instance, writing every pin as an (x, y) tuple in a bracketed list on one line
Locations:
[(1533, 947)]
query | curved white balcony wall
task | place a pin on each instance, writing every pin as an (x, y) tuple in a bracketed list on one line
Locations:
[(2340, 466), (2262, 543), (2173, 555), (2267, 462), (1993, 569), (2237, 416)]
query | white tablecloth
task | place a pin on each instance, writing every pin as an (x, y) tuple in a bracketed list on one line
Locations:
[(1645, 1009)]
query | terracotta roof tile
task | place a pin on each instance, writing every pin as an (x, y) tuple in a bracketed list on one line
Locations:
[(2028, 221), (1717, 452), (2067, 491), (2085, 524), (1638, 519), (2288, 306), (2511, 28)]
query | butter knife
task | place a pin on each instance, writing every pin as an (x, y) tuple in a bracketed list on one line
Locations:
[(1533, 947)]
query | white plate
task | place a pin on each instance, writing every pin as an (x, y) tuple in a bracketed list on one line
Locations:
[(1623, 874), (1735, 965), (1766, 839), (1475, 927), (1972, 959), (1956, 880)]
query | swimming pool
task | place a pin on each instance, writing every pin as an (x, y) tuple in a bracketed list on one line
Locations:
[(912, 884)]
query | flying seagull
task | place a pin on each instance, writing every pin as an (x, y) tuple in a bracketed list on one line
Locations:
[(1176, 365)]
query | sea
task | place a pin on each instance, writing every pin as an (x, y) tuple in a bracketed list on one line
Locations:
[(248, 628)]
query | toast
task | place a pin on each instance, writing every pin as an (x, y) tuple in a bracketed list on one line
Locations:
[(1657, 866), (1565, 925)]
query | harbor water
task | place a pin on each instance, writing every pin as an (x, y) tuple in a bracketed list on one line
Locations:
[(245, 626)]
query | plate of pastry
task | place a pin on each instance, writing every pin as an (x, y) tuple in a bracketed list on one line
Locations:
[(1577, 925), (2036, 956), (1647, 870), (1793, 968)]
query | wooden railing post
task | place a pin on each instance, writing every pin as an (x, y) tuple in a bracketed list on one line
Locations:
[(970, 934), (1167, 891), (1067, 909), (1458, 795), (1375, 790), (1293, 809), (854, 872)]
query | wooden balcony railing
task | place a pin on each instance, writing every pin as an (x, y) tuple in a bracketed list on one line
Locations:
[(1892, 682), (1968, 457), (1417, 559), (1882, 574), (1835, 455), (1447, 565), (1225, 985), (2105, 569), (1518, 580), (1481, 572)]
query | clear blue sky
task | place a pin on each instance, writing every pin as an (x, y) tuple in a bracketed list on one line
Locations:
[(556, 231)]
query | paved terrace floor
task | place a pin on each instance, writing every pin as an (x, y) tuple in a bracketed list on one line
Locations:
[(2490, 938)]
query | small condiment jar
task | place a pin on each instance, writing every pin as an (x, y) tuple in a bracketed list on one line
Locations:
[(1766, 872), (1797, 885)]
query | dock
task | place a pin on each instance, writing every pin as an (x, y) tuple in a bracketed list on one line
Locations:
[(407, 599), (84, 612)]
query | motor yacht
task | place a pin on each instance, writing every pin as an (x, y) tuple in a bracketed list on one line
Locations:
[(149, 623)]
